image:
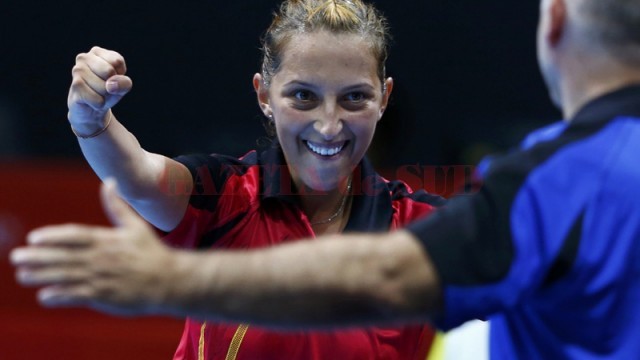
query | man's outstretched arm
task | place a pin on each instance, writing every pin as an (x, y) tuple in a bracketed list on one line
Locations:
[(335, 280)]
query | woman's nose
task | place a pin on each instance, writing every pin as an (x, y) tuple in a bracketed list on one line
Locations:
[(329, 122)]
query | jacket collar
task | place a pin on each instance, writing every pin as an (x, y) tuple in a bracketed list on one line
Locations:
[(622, 102)]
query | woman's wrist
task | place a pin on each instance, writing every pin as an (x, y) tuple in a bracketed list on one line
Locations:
[(90, 131)]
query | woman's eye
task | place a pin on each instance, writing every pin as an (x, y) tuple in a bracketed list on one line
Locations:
[(355, 97), (303, 95)]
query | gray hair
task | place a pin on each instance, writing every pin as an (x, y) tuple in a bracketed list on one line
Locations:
[(615, 25)]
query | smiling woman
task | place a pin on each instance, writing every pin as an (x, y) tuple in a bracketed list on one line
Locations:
[(325, 102), (323, 88)]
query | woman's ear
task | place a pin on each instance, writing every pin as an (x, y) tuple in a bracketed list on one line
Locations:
[(262, 93), (386, 93)]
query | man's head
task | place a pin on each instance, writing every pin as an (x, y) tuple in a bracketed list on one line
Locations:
[(584, 40), (615, 25)]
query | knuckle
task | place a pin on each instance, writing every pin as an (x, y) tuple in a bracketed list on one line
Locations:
[(77, 70), (81, 57), (76, 230), (111, 72), (76, 84), (118, 61)]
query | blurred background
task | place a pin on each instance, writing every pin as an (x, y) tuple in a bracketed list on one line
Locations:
[(466, 84)]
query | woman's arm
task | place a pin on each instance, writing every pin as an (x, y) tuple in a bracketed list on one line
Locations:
[(147, 181)]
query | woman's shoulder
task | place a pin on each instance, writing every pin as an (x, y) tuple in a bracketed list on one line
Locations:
[(215, 160), (401, 191), (409, 205)]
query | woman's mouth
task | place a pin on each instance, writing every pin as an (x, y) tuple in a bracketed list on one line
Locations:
[(326, 150)]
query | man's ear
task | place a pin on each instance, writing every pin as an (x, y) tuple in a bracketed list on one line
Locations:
[(263, 95), (557, 15)]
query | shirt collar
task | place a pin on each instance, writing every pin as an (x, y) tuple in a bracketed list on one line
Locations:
[(371, 208)]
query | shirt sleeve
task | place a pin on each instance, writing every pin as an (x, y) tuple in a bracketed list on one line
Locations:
[(481, 264), (207, 207)]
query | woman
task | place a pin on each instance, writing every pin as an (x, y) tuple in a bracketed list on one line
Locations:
[(323, 89)]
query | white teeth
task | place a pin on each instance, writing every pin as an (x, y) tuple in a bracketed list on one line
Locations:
[(324, 151)]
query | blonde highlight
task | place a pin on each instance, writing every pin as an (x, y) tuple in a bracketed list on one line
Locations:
[(336, 16)]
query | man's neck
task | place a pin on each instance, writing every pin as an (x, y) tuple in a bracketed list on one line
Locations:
[(583, 88)]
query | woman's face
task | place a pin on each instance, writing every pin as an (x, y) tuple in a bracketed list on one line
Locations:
[(326, 100)]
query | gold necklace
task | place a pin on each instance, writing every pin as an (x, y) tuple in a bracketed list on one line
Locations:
[(340, 208)]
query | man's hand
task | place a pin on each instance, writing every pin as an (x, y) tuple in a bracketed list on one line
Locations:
[(98, 84), (119, 270)]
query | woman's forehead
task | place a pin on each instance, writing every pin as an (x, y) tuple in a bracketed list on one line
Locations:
[(327, 53), (327, 40)]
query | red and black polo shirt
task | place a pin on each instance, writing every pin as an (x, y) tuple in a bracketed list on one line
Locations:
[(251, 202)]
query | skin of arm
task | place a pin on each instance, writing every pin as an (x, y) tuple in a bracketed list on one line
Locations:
[(99, 83), (337, 280)]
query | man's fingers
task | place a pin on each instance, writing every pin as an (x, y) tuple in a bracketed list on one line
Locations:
[(117, 210), (71, 235), (43, 276), (83, 295), (70, 295), (45, 256)]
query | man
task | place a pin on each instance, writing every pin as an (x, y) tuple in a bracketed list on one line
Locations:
[(548, 250)]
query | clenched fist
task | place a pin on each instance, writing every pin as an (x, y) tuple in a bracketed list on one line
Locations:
[(99, 82)]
